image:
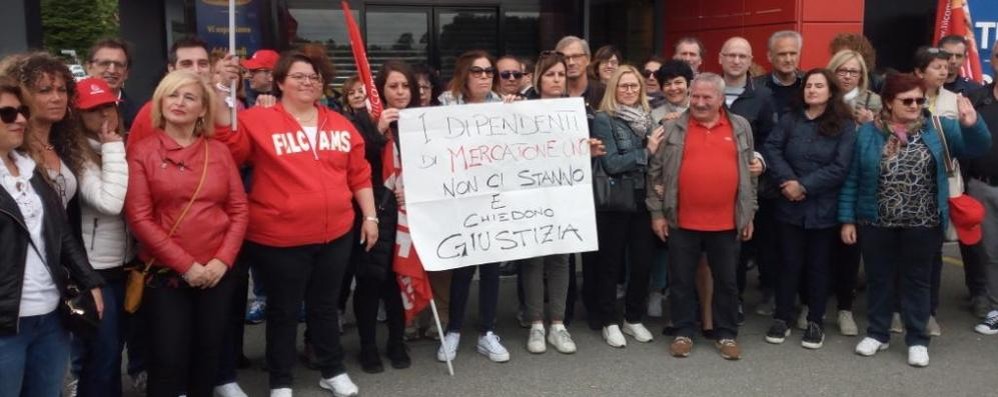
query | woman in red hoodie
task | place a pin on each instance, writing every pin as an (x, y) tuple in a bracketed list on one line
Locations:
[(186, 206), (308, 166)]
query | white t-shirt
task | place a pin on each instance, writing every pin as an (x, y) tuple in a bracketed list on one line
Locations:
[(39, 294), (64, 183), (313, 134)]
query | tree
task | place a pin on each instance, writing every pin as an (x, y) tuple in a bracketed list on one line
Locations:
[(76, 24)]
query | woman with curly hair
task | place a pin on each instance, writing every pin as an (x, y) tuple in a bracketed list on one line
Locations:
[(55, 142)]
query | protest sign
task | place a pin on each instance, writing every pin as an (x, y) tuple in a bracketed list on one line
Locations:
[(496, 182)]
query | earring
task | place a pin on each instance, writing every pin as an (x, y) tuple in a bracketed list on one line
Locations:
[(199, 125)]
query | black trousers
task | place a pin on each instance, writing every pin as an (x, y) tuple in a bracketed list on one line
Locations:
[(232, 349), (187, 329), (807, 253), (617, 232), (367, 294), (313, 273), (845, 271), (685, 249), (764, 247), (902, 256)]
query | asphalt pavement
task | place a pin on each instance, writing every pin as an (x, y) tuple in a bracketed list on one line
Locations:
[(963, 363)]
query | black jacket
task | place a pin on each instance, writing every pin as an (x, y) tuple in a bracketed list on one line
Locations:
[(755, 104), (376, 263), (797, 151), (64, 256)]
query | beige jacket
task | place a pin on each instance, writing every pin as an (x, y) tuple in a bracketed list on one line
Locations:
[(663, 170)]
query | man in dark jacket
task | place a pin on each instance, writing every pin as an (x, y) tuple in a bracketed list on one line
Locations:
[(784, 81), (956, 47), (981, 260), (754, 103)]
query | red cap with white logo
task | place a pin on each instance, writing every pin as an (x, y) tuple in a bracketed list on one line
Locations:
[(92, 92)]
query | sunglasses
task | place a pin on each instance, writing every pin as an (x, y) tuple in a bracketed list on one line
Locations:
[(909, 101), (648, 73), (8, 114), (509, 74), (479, 72)]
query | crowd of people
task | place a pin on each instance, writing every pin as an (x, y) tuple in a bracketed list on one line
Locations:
[(802, 175)]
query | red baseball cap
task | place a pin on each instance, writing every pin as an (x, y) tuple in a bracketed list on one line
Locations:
[(262, 59), (92, 92), (966, 213)]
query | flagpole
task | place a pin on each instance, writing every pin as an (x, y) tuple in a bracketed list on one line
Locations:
[(440, 331), (232, 51)]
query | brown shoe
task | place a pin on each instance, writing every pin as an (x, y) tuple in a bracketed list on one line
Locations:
[(681, 347), (729, 349)]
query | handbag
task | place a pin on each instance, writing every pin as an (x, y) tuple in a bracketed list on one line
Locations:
[(612, 192), (77, 309), (136, 283), (954, 178)]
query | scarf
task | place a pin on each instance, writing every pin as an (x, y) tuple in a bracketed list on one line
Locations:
[(638, 119), (899, 135)]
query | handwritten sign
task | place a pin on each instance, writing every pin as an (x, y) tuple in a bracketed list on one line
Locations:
[(496, 182)]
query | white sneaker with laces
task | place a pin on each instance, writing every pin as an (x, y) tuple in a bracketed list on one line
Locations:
[(282, 392), (448, 347), (489, 345), (340, 385), (918, 356), (638, 331), (561, 339), (869, 346), (613, 337), (847, 325), (990, 324), (655, 304), (230, 389), (535, 340)]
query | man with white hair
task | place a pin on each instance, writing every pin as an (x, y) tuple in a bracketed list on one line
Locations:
[(577, 57), (785, 78), (702, 199)]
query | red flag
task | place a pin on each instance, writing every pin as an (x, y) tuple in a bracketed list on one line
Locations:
[(415, 286), (953, 18), (360, 58)]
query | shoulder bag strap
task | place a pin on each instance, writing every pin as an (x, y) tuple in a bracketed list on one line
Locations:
[(950, 169), (183, 213)]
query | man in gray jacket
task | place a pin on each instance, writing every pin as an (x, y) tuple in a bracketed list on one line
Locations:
[(702, 199)]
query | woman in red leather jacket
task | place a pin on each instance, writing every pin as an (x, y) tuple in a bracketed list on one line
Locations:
[(192, 241)]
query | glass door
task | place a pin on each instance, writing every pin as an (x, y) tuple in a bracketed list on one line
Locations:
[(397, 33), (460, 29)]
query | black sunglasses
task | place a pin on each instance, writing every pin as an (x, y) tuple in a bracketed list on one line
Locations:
[(479, 72), (910, 101), (648, 73), (549, 53), (8, 114), (506, 75)]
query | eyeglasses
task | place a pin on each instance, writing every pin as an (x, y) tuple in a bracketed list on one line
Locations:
[(302, 78), (569, 57), (8, 114), (610, 63), (934, 50), (848, 72), (910, 101), (106, 63), (629, 87), (482, 72), (509, 74), (648, 73)]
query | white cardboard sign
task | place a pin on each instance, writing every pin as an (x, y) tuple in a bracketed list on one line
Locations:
[(498, 181)]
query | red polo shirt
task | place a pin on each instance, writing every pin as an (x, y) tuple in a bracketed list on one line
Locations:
[(708, 177)]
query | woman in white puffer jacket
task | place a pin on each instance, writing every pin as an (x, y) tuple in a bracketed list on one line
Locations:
[(103, 183)]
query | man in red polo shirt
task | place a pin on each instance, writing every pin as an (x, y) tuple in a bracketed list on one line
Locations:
[(704, 205)]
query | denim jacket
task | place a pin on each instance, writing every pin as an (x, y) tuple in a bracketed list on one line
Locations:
[(625, 148)]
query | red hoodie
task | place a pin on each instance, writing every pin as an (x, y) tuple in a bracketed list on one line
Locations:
[(300, 195)]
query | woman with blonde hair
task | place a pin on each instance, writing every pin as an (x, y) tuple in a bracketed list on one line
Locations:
[(625, 126), (851, 74), (187, 208)]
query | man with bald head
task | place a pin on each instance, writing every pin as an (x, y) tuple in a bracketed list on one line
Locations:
[(753, 102)]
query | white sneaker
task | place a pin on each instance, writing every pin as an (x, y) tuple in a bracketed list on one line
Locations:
[(230, 389), (918, 356), (561, 339), (638, 331), (932, 327), (535, 340), (655, 304), (340, 385), (847, 325), (802, 318), (869, 346), (489, 345), (897, 326), (282, 392), (621, 291), (448, 347), (139, 382), (613, 337), (69, 390)]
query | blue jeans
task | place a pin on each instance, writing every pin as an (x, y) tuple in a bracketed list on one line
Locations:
[(488, 296), (33, 362), (97, 359)]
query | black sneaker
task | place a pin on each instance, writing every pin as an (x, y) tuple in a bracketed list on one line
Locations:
[(370, 361), (778, 332), (814, 337), (741, 315), (990, 324), (399, 356)]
